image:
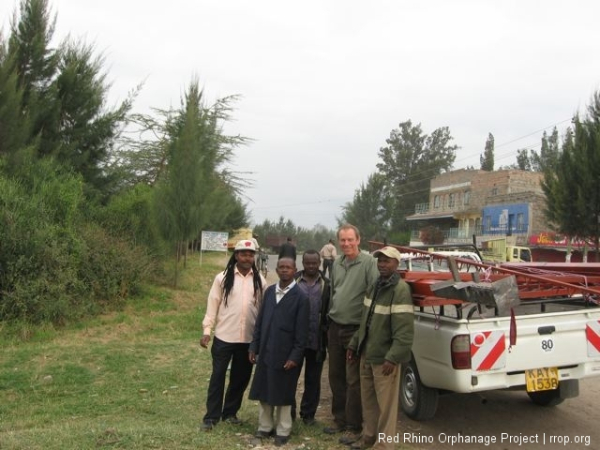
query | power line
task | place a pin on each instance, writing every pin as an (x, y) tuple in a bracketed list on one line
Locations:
[(523, 137), (505, 155), (425, 178), (299, 204), (535, 132)]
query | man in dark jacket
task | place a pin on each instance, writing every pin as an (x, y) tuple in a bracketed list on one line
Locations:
[(277, 349), (382, 342), (288, 250), (316, 287)]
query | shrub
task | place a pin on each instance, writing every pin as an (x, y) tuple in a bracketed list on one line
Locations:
[(112, 268), (129, 216), (37, 255), (432, 235), (55, 267), (399, 238)]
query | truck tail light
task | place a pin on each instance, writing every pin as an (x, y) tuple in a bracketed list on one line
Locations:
[(460, 349)]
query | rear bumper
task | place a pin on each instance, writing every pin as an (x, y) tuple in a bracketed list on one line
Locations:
[(466, 381)]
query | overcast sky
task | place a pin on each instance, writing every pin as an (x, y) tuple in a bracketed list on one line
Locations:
[(323, 83)]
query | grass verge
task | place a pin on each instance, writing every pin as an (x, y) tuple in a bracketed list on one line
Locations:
[(134, 379)]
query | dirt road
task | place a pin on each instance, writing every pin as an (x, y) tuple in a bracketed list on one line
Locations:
[(271, 275), (511, 419), (498, 420)]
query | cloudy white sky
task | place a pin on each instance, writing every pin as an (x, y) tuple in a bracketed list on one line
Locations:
[(323, 83)]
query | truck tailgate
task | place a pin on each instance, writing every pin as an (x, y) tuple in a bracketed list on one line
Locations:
[(549, 340)]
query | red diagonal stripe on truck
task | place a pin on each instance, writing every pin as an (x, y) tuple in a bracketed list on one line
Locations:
[(475, 348), (592, 337), (493, 355)]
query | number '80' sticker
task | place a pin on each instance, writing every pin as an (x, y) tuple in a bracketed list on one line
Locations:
[(547, 345)]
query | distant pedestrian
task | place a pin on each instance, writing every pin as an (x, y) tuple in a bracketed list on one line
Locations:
[(233, 303), (277, 349), (328, 253), (255, 242), (382, 343), (259, 251), (288, 250)]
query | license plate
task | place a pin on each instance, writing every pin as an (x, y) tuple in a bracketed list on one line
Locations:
[(543, 379)]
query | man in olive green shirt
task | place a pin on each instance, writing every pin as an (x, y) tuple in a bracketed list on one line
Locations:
[(352, 276)]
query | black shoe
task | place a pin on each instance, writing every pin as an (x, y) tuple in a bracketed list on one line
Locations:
[(232, 420), (281, 440), (361, 444), (349, 437), (310, 421), (333, 429), (207, 425), (264, 434)]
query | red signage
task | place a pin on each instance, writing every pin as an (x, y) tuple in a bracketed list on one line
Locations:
[(552, 239)]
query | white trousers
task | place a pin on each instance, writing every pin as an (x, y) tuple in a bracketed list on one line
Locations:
[(278, 418)]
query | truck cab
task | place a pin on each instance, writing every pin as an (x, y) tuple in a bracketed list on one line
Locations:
[(518, 254), (499, 251)]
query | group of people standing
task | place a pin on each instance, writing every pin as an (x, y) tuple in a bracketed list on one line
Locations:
[(362, 315)]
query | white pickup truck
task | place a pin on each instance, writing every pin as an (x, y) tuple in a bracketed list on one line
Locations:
[(466, 348)]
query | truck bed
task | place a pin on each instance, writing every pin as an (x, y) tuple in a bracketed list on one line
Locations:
[(556, 337)]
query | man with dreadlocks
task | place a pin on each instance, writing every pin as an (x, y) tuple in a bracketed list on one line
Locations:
[(233, 303)]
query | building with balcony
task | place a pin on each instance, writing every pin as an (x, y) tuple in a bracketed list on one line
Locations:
[(475, 203)]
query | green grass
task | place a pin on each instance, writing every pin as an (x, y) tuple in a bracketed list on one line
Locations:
[(134, 379)]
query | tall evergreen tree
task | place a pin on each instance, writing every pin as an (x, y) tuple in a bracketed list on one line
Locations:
[(549, 154), (179, 195), (35, 64), (594, 109), (573, 193), (143, 152), (86, 130), (196, 191), (408, 162), (487, 159), (62, 93), (370, 209), (561, 208), (523, 160), (587, 156), (14, 121)]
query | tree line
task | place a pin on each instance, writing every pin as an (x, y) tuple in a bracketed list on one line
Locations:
[(304, 238), (94, 198), (572, 178)]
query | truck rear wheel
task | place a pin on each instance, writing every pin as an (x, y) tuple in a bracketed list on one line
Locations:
[(418, 402), (546, 398)]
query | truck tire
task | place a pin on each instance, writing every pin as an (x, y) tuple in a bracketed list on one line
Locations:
[(546, 398), (418, 402)]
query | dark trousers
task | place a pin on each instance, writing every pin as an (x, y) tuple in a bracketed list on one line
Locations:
[(241, 370), (344, 378), (327, 263), (312, 386)]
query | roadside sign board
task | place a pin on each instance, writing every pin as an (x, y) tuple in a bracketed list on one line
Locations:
[(214, 241)]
